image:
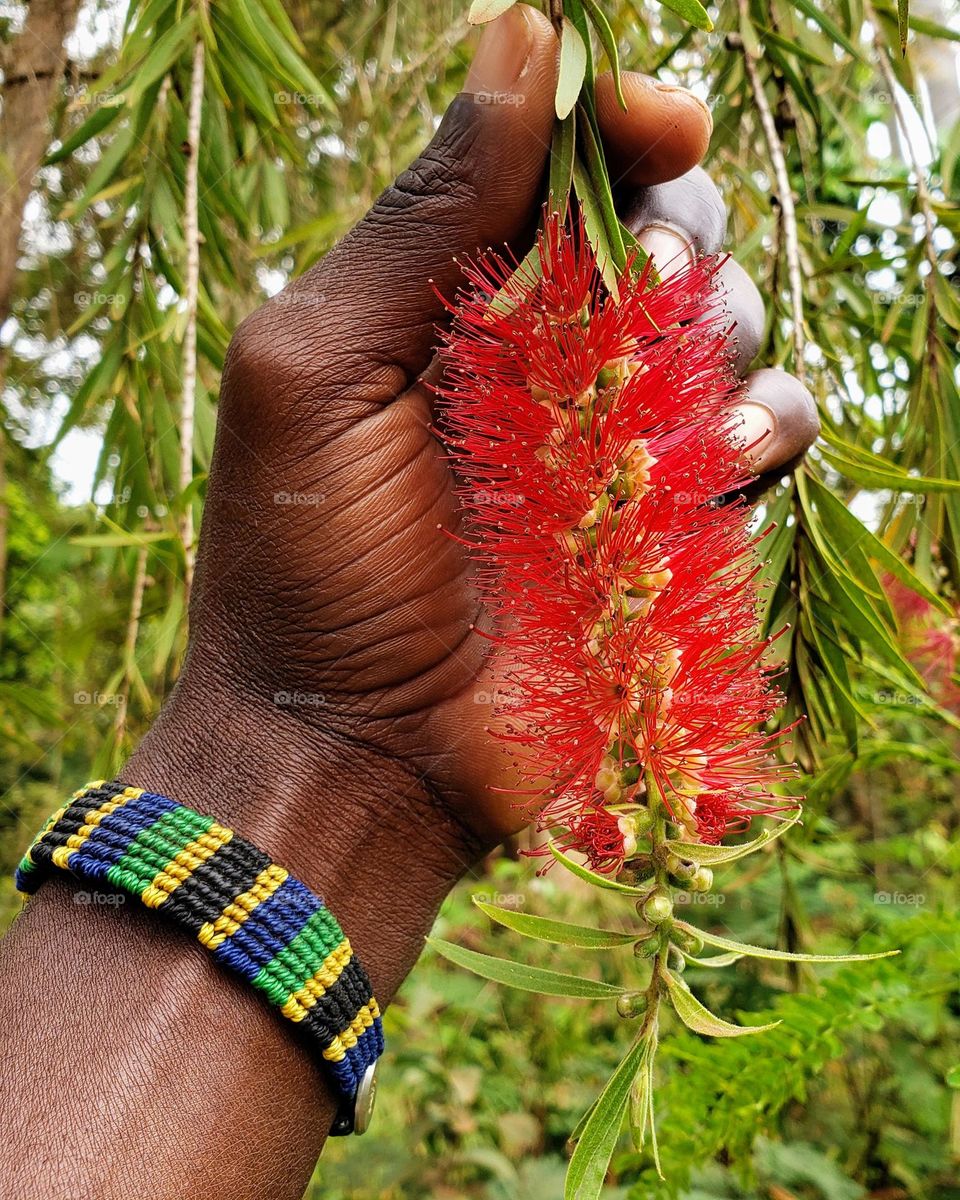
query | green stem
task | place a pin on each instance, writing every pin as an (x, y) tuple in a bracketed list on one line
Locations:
[(661, 883)]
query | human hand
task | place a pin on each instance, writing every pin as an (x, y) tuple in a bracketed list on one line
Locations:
[(329, 593)]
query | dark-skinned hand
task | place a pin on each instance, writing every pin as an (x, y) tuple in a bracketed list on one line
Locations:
[(325, 569)]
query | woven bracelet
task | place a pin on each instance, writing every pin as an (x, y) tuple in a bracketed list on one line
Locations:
[(251, 915)]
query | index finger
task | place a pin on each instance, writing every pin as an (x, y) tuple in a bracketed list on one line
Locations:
[(662, 133)]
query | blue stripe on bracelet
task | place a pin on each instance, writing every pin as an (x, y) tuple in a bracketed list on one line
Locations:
[(249, 913)]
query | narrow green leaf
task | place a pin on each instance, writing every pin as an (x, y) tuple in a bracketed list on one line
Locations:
[(712, 856), (609, 42), (722, 943), (596, 229), (527, 979), (103, 115), (545, 929), (934, 29), (261, 34), (588, 1166), (323, 229), (111, 161), (524, 278), (575, 11), (161, 58), (692, 12), (770, 36), (482, 11), (562, 153), (846, 529), (600, 881), (944, 294), (98, 383), (100, 540), (642, 1116), (876, 472), (829, 27), (903, 23), (275, 11), (700, 1019), (595, 170), (573, 67)]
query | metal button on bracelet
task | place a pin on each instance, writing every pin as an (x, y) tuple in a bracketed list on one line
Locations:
[(255, 918)]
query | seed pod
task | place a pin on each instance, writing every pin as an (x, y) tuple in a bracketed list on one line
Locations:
[(678, 868)]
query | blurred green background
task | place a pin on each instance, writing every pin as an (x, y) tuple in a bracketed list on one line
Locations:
[(117, 307)]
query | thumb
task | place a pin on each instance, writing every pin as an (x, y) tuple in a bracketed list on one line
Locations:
[(370, 306)]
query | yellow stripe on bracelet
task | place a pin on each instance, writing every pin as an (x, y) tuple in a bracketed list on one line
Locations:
[(63, 854), (213, 933), (326, 975), (348, 1037), (262, 924), (183, 864)]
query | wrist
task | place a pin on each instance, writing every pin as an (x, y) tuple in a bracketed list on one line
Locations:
[(354, 824)]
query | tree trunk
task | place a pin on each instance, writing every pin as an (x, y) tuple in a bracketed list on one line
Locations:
[(32, 68)]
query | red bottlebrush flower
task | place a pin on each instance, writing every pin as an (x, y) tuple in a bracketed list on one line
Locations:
[(931, 641), (593, 436)]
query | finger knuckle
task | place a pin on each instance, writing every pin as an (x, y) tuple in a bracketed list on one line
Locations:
[(438, 187), (263, 357)]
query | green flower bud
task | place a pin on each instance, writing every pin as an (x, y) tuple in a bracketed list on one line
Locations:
[(701, 880), (658, 908), (687, 942), (648, 948), (632, 1004)]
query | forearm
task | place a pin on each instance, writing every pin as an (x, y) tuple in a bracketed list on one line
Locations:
[(133, 1064)]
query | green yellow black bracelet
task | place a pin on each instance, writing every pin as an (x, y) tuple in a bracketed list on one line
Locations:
[(249, 913)]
